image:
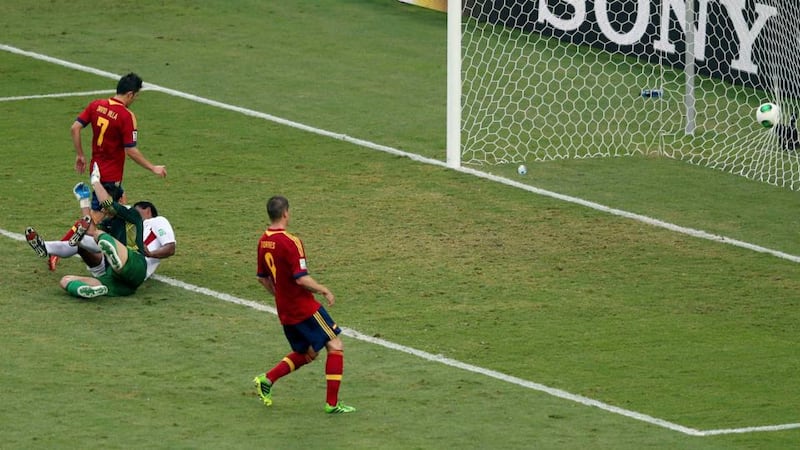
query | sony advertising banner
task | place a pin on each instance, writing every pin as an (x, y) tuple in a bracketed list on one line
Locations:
[(745, 42)]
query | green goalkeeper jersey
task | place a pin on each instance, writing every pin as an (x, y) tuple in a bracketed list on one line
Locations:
[(125, 224)]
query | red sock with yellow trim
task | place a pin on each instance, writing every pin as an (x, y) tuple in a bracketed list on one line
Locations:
[(71, 231), (53, 260), (334, 367), (288, 364)]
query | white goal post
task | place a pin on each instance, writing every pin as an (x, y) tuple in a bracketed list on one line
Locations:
[(538, 80)]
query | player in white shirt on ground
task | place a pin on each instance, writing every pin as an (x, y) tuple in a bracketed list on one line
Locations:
[(158, 236)]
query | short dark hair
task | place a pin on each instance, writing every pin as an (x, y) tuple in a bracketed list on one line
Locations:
[(147, 205), (276, 206), (128, 83)]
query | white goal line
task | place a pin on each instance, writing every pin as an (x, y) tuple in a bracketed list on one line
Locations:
[(63, 94), (428, 356), (413, 156), (469, 367)]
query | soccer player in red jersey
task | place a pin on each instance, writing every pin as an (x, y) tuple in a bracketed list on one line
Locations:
[(307, 325), (113, 138)]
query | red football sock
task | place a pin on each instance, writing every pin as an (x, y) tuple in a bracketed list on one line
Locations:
[(334, 367), (71, 231), (288, 364)]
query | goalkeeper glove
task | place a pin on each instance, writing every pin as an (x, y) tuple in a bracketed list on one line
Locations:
[(95, 177), (81, 191)]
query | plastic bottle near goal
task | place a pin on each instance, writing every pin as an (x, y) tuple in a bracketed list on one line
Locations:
[(652, 93)]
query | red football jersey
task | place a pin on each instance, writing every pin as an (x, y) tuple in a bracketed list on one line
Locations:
[(282, 258), (114, 130)]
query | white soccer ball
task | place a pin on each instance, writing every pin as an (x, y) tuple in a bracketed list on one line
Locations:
[(768, 115), (522, 170)]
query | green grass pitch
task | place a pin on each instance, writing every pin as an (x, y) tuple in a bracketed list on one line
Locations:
[(546, 293)]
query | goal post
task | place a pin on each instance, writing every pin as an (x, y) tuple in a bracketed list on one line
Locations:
[(539, 80), (689, 69), (453, 140)]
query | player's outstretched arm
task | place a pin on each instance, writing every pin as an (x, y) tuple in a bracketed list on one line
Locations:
[(80, 158), (164, 252), (136, 155)]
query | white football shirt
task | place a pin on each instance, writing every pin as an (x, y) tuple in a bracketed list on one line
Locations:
[(157, 233)]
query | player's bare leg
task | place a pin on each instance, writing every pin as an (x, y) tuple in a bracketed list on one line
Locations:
[(83, 287)]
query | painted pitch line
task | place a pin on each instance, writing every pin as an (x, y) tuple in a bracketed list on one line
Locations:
[(63, 94), (413, 156), (469, 367), (438, 358)]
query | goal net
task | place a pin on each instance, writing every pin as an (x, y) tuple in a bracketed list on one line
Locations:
[(554, 79)]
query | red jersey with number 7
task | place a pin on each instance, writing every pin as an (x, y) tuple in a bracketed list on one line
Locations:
[(282, 258), (113, 130)]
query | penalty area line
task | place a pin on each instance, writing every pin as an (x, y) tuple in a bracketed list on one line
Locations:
[(467, 367), (419, 158), (59, 95)]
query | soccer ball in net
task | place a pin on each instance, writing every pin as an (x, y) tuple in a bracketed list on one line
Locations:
[(768, 115)]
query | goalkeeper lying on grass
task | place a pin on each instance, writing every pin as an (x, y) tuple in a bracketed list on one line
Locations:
[(117, 269)]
